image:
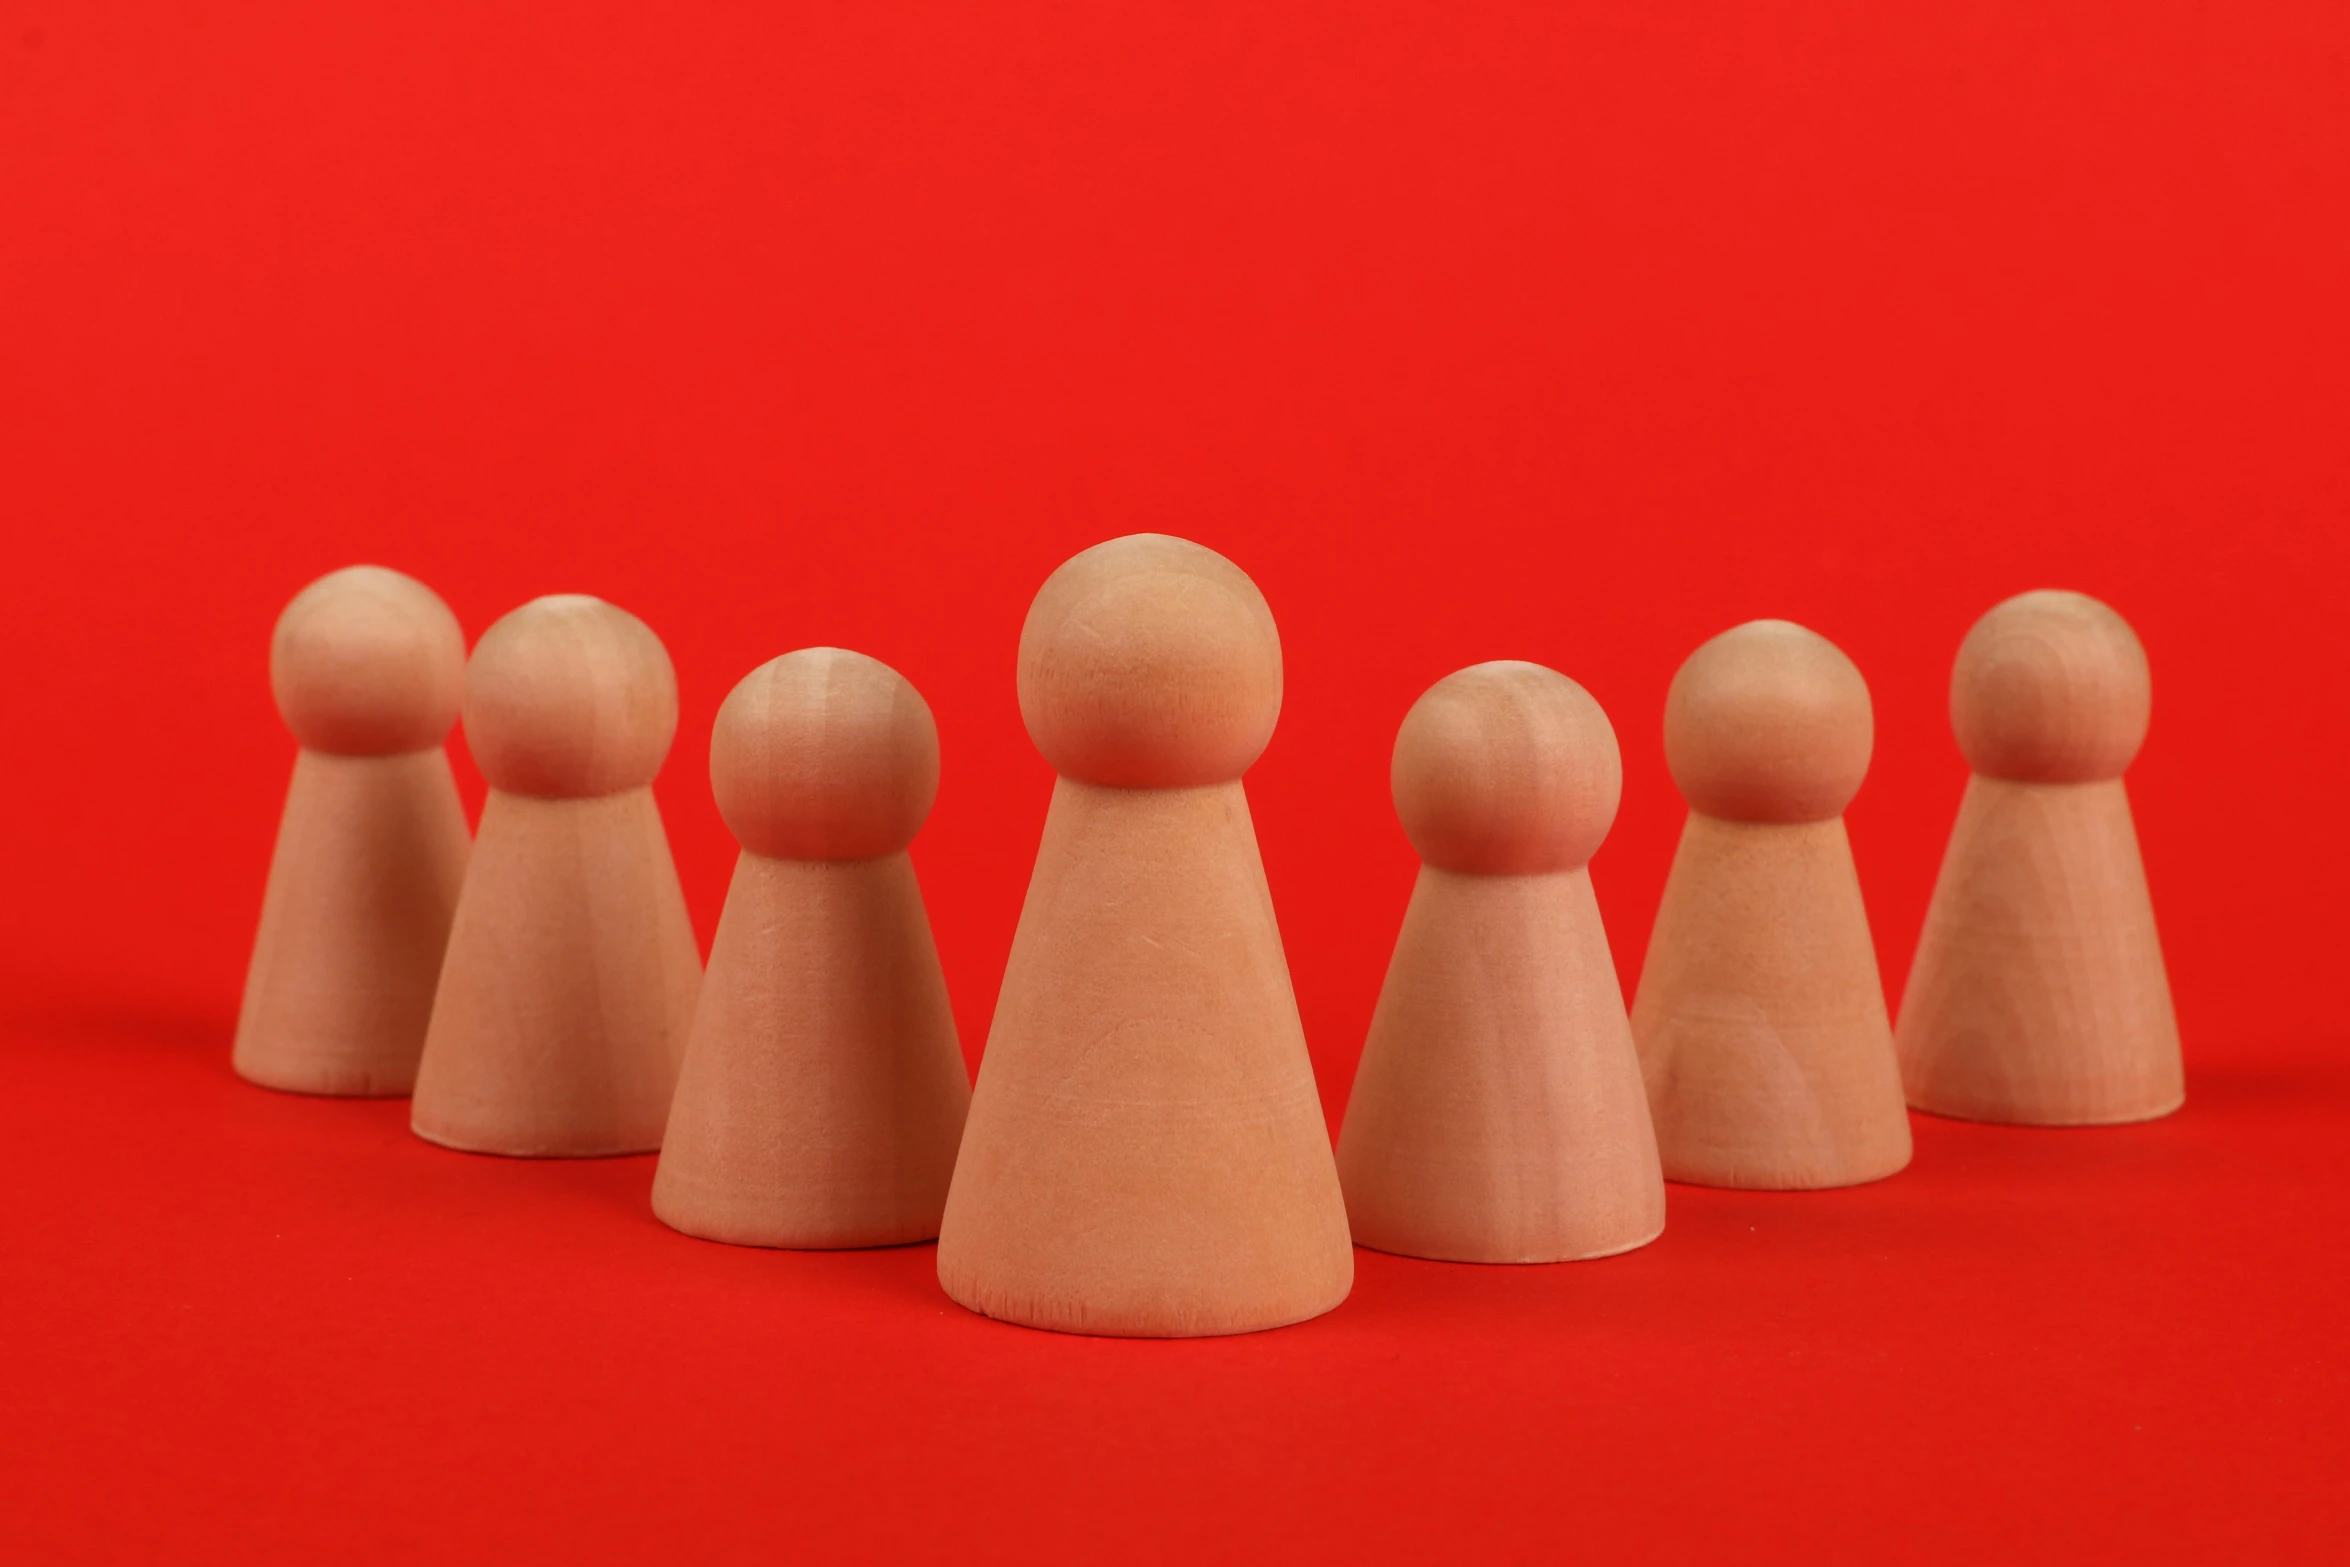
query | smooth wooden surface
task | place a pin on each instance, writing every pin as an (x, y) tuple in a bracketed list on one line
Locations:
[(366, 665), (824, 754), (2051, 687), (1498, 1114), (370, 855), (2038, 995), (571, 971), (1506, 767), (1149, 662), (569, 697), (568, 987), (1768, 722), (1760, 1016), (823, 1093), (367, 662), (1146, 1153)]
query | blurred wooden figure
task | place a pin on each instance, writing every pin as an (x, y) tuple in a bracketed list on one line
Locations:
[(823, 1092), (2038, 994), (1760, 1016), (571, 970), (366, 665), (1498, 1114), (1146, 1153)]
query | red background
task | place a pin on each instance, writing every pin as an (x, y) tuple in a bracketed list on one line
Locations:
[(1565, 333)]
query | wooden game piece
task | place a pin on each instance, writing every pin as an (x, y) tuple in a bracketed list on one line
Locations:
[(571, 970), (823, 1093), (1760, 1017), (366, 665), (1146, 1153), (1498, 1114), (2038, 995)]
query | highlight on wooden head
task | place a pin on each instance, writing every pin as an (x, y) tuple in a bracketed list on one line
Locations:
[(824, 754), (1506, 768), (2051, 687), (569, 697), (1768, 722), (367, 662), (1150, 662)]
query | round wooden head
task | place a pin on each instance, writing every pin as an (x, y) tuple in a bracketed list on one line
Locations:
[(824, 754), (1150, 662), (569, 697), (1506, 769), (367, 662), (2051, 687), (1769, 722)]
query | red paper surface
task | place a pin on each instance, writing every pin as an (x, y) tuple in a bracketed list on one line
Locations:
[(1567, 333)]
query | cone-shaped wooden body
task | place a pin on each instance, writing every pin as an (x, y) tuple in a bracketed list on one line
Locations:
[(571, 969), (366, 665), (1760, 1016), (1146, 1153), (823, 1092), (2038, 995), (1498, 1114)]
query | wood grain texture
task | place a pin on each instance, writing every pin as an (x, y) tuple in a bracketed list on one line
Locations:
[(1146, 1153), (1760, 1016), (1498, 1114), (366, 666), (2038, 994), (362, 887), (823, 1093), (568, 987), (571, 971)]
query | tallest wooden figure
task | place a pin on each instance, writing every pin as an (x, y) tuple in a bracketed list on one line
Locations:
[(1146, 1154)]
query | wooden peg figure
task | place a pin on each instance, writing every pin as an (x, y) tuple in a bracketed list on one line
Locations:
[(1498, 1114), (571, 970), (1760, 1016), (1146, 1153), (823, 1093), (366, 665), (2038, 995)]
